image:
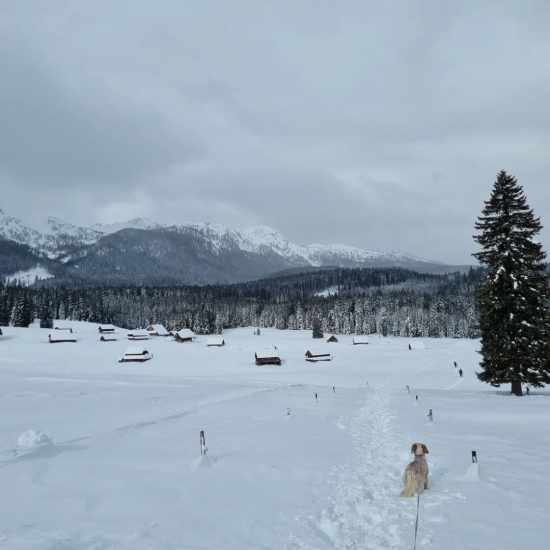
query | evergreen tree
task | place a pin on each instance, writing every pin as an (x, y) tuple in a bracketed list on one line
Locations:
[(317, 328), (513, 300), (46, 316)]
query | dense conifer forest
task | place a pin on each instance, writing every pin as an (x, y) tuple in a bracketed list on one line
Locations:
[(388, 301)]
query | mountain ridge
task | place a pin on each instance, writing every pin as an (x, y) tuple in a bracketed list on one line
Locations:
[(142, 251)]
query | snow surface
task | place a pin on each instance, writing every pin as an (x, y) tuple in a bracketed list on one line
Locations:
[(29, 276), (33, 438), (125, 472)]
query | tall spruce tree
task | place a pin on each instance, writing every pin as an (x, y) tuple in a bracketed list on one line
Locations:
[(317, 328), (513, 300)]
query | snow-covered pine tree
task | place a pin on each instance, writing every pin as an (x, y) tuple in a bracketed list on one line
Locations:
[(513, 301), (317, 328)]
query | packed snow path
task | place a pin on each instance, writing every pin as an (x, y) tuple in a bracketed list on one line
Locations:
[(364, 511)]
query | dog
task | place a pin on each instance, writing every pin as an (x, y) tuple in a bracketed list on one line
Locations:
[(416, 472)]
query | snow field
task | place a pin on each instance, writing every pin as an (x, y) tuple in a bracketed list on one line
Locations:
[(124, 470)]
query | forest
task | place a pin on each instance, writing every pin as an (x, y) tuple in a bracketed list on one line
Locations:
[(387, 301)]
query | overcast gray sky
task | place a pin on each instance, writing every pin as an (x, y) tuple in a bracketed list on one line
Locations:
[(380, 125)]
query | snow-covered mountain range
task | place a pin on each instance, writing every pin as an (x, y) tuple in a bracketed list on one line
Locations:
[(199, 252)]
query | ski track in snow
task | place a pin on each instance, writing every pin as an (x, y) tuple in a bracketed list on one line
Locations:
[(365, 511)]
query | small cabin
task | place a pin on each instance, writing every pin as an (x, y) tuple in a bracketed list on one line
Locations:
[(416, 344), (157, 330), (360, 340), (136, 355), (184, 335), (0, 332), (138, 335), (315, 355), (106, 329), (332, 340), (59, 338), (108, 337), (267, 356), (215, 342)]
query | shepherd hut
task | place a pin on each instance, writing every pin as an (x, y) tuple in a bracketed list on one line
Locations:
[(332, 339), (106, 329), (315, 355), (108, 337), (267, 356), (157, 330), (135, 354), (360, 340), (59, 338), (184, 335), (215, 342), (138, 335)]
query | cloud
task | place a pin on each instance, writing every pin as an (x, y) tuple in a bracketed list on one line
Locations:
[(379, 126)]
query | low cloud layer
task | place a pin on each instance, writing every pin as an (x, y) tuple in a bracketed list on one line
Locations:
[(379, 126)]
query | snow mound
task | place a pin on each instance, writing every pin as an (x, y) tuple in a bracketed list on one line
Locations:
[(474, 474), (34, 438), (203, 461)]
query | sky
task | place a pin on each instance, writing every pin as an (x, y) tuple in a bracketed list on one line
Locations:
[(380, 125)]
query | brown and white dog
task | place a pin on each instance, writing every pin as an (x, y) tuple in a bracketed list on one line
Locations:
[(416, 472)]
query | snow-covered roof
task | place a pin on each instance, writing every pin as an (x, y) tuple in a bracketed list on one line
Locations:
[(135, 350), (317, 352), (215, 342), (267, 353), (140, 333), (61, 337), (158, 329), (108, 336), (185, 333), (360, 340), (107, 327)]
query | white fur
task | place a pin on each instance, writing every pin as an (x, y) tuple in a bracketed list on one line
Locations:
[(416, 473)]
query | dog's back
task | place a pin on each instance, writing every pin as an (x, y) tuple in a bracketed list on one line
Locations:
[(416, 472)]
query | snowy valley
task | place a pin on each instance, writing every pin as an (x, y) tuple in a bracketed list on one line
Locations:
[(283, 469)]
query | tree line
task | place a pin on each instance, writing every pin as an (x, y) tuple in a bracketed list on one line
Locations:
[(389, 301)]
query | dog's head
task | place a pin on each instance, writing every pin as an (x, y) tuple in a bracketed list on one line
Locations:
[(419, 449)]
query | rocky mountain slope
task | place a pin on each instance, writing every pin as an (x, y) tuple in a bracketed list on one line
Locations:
[(141, 251)]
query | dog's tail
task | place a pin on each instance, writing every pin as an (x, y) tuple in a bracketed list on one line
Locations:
[(411, 484)]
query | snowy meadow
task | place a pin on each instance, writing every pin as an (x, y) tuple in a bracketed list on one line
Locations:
[(299, 456)]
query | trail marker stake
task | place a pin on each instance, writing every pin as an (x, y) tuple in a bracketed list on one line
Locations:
[(288, 412), (417, 398), (317, 400), (431, 416), (333, 390), (203, 443), (474, 456)]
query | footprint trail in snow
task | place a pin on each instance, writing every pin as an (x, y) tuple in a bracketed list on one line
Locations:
[(365, 511)]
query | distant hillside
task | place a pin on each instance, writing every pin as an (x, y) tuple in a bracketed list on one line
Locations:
[(142, 252)]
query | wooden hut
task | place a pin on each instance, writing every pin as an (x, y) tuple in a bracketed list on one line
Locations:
[(184, 335), (59, 338), (267, 356), (315, 355), (360, 340), (106, 329), (138, 335), (157, 330), (0, 332), (332, 340), (215, 342), (108, 337), (135, 354)]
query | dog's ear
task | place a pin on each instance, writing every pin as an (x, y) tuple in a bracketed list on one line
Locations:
[(425, 449), (413, 448)]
